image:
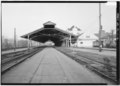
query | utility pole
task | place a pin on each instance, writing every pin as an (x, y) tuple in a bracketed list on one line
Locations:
[(112, 35), (100, 28), (14, 39)]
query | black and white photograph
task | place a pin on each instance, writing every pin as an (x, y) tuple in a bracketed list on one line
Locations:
[(53, 42)]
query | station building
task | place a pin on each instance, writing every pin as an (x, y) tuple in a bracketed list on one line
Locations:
[(86, 40)]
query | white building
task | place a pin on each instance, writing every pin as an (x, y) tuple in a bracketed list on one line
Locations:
[(86, 40)]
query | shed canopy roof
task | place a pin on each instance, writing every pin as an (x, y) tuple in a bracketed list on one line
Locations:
[(44, 34)]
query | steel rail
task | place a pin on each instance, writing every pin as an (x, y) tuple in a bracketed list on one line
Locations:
[(87, 65), (13, 62)]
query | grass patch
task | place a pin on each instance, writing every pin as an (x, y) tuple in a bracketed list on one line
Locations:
[(103, 64)]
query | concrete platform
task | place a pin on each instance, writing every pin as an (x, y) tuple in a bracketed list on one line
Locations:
[(51, 66)]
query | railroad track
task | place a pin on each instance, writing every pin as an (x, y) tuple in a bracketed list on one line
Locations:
[(13, 59), (91, 64)]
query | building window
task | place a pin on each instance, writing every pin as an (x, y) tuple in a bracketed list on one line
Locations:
[(49, 26), (87, 36), (81, 42)]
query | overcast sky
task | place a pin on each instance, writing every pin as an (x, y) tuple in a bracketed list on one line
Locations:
[(27, 17)]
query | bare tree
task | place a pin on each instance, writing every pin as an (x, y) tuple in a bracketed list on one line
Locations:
[(5, 43)]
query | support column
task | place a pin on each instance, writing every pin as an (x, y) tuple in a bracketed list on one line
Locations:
[(28, 42), (66, 42), (70, 41), (31, 43), (37, 44)]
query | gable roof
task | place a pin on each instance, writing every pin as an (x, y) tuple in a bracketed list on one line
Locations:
[(40, 29), (88, 35)]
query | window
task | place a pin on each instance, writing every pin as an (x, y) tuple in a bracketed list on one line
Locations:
[(81, 42), (87, 36), (49, 26)]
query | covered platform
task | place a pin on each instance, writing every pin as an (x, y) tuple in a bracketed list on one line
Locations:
[(49, 31)]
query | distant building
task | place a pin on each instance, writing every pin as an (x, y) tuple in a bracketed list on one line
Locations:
[(49, 43), (107, 39), (86, 40)]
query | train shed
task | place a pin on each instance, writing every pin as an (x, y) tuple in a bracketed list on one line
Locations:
[(49, 31)]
